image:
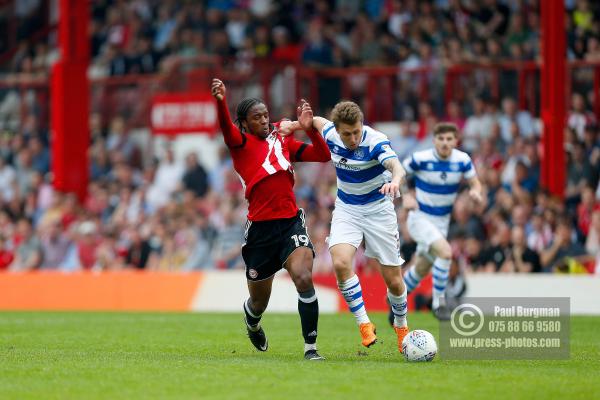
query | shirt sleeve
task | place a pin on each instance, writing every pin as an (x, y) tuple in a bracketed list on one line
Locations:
[(231, 134), (381, 149), (317, 151), (469, 169), (410, 165), (328, 130)]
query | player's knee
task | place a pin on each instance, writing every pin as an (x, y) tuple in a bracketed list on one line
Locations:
[(259, 306), (303, 280), (444, 250), (395, 285), (342, 266)]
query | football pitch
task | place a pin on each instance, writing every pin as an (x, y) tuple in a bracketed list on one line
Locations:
[(207, 356)]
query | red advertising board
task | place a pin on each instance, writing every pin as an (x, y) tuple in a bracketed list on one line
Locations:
[(177, 113)]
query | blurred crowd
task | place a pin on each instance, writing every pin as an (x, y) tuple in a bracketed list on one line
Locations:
[(145, 36), (169, 214), (165, 213)]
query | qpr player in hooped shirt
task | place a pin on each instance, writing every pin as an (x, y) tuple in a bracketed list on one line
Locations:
[(438, 173), (363, 160)]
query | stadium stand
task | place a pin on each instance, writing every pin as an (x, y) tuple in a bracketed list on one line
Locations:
[(473, 63)]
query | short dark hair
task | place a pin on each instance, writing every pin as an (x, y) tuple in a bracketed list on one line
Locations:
[(444, 127), (243, 108), (347, 112)]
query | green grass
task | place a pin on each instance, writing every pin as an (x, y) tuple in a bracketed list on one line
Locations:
[(164, 356)]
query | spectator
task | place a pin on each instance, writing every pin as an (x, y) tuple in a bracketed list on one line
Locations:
[(227, 248), (40, 155), (579, 117), (563, 254), (55, 245), (6, 255), (496, 258), (523, 259), (166, 180), (107, 254), (28, 253), (119, 140), (511, 115), (201, 257), (7, 180), (478, 126), (541, 234), (82, 253), (195, 177), (579, 171), (138, 251), (317, 51), (592, 243), (585, 209)]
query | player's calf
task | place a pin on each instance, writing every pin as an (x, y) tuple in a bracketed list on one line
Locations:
[(256, 334), (352, 293)]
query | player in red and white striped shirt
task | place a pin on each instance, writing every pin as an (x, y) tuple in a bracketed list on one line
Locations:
[(276, 234)]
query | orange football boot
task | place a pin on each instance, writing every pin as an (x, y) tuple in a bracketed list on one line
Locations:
[(367, 332), (401, 332)]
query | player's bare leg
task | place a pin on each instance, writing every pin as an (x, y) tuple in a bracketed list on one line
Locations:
[(342, 255), (441, 268), (392, 275), (254, 307), (299, 266)]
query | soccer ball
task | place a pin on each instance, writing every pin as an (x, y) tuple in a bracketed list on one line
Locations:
[(419, 345)]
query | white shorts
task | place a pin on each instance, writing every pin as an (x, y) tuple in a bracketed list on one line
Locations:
[(426, 229), (377, 224)]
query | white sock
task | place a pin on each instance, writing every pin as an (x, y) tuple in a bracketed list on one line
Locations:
[(399, 308), (310, 346), (441, 268), (412, 278), (352, 293)]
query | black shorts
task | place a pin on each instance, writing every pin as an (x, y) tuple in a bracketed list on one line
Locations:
[(269, 244)]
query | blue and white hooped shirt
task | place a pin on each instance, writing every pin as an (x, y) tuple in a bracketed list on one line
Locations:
[(360, 172), (437, 180)]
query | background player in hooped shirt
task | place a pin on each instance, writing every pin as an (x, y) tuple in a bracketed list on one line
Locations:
[(276, 235), (364, 210), (437, 175)]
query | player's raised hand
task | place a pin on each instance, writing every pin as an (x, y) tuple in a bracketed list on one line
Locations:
[(305, 115), (409, 202), (217, 89)]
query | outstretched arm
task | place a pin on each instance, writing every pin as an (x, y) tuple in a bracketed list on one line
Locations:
[(318, 150), (398, 176), (232, 135), (475, 189)]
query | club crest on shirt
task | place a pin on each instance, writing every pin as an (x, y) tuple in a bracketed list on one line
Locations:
[(454, 167), (359, 153), (429, 166)]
